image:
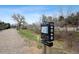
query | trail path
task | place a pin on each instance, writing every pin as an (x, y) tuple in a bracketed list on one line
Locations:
[(12, 42)]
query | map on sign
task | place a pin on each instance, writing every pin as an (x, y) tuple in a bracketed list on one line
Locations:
[(44, 29)]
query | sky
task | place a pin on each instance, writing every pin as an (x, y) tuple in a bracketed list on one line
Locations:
[(33, 13)]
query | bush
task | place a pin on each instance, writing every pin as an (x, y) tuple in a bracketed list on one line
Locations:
[(4, 25)]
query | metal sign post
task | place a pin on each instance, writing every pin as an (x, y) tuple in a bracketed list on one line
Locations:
[(47, 34)]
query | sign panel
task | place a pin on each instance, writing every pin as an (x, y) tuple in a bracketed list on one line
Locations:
[(47, 33), (44, 29)]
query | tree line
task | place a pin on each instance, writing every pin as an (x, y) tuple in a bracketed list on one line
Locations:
[(4, 25), (71, 20)]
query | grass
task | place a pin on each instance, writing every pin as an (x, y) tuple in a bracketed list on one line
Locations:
[(33, 36), (29, 34), (58, 44)]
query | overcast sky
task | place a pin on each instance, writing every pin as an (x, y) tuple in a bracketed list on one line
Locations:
[(33, 13)]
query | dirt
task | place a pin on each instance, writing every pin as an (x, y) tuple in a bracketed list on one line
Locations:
[(12, 43)]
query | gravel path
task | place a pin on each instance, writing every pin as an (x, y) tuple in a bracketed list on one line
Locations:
[(11, 42)]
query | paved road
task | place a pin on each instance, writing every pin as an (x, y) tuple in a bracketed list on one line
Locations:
[(11, 42)]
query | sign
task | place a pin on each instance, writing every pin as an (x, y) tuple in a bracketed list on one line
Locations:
[(47, 33), (44, 29)]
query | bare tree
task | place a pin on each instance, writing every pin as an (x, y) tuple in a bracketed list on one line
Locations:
[(44, 19), (20, 20), (50, 19)]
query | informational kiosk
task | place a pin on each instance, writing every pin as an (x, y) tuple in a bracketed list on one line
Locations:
[(47, 33)]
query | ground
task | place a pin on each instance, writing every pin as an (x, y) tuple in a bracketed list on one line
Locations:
[(12, 42)]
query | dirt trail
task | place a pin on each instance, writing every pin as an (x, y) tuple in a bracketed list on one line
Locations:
[(12, 42)]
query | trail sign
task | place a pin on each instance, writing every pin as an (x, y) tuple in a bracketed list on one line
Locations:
[(47, 33)]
